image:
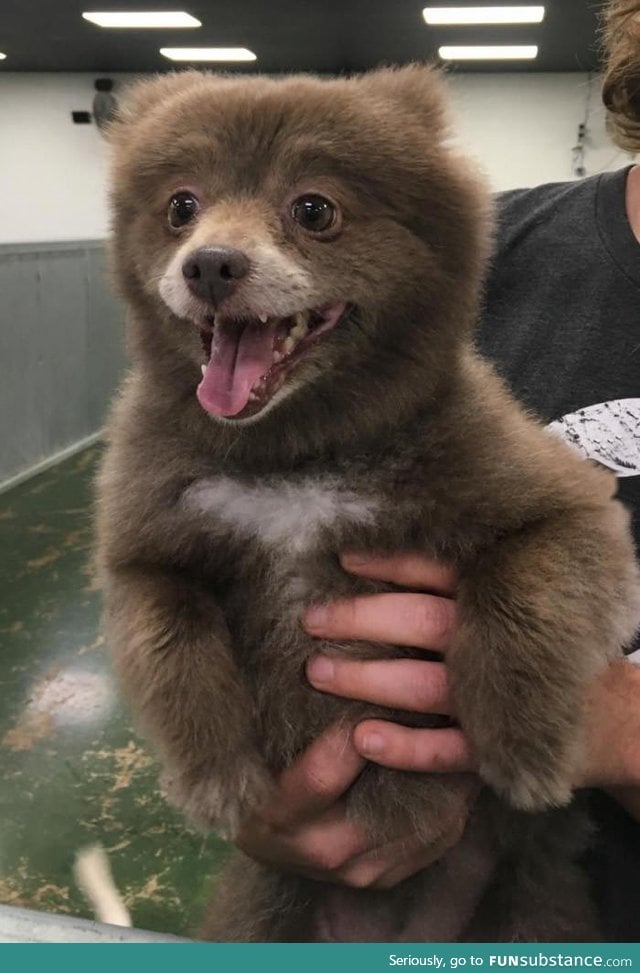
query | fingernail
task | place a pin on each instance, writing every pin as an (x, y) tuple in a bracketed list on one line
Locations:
[(316, 617), (372, 744), (320, 669)]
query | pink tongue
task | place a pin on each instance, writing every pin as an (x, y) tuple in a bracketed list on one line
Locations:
[(240, 355)]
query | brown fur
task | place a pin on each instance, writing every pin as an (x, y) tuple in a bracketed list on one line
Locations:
[(416, 444)]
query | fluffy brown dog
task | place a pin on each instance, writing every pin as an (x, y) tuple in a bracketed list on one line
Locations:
[(316, 250)]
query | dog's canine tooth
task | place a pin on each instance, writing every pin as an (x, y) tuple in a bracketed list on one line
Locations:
[(203, 369), (263, 318)]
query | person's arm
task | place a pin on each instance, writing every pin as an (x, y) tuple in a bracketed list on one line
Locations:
[(613, 735)]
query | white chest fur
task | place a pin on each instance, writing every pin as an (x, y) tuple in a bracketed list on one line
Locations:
[(279, 513)]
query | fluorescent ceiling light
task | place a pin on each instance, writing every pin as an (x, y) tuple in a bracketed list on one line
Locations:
[(2, 56), (452, 16), (208, 54), (483, 15), (143, 18), (499, 52)]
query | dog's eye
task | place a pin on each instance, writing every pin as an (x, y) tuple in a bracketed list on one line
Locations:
[(314, 213), (183, 207)]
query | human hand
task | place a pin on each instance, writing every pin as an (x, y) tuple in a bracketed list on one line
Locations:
[(611, 757), (424, 618), (305, 829)]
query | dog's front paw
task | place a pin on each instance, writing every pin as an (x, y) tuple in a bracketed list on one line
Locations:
[(527, 753), (532, 788), (523, 723), (218, 802)]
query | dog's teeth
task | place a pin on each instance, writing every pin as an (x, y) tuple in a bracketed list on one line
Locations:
[(203, 369), (263, 318), (277, 357), (289, 344), (300, 327)]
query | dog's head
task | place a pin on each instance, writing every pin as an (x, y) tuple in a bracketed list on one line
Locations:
[(298, 236)]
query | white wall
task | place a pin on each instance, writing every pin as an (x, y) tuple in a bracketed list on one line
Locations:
[(52, 173), (522, 127)]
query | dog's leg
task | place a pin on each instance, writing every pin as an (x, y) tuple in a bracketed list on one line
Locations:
[(541, 611), (172, 648)]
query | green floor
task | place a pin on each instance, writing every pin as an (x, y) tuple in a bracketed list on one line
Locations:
[(72, 771)]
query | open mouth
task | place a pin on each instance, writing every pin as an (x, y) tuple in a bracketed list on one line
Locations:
[(249, 359)]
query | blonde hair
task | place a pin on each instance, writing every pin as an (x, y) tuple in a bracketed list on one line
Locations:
[(621, 88)]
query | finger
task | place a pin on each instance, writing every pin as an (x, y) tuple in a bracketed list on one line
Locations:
[(370, 869), (388, 865), (407, 684), (425, 855), (328, 843), (405, 748), (420, 621), (317, 848), (405, 570), (316, 779)]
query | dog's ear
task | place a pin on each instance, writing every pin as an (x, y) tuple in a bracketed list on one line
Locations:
[(417, 91), (142, 97)]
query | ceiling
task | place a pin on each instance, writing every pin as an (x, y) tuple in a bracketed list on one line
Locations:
[(286, 35)]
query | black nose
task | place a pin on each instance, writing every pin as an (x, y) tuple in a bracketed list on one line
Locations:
[(213, 273)]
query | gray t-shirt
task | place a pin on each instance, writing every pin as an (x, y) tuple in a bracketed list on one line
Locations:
[(562, 318), (562, 325)]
